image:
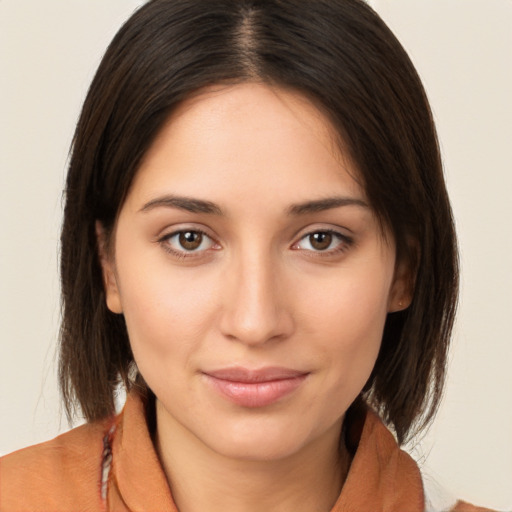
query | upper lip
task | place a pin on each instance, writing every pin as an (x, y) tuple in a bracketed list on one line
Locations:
[(267, 374)]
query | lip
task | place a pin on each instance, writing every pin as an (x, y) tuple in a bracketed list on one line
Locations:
[(255, 388)]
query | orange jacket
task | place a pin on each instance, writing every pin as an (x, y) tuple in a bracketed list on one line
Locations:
[(112, 466)]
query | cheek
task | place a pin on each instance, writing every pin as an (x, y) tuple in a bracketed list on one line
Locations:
[(167, 311), (351, 306), (346, 316)]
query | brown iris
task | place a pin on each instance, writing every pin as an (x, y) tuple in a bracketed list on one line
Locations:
[(190, 240), (320, 241)]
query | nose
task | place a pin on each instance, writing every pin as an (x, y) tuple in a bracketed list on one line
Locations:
[(255, 310)]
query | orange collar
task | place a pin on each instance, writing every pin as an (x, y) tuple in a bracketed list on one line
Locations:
[(381, 477)]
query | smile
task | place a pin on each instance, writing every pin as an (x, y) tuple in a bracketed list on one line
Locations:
[(255, 388)]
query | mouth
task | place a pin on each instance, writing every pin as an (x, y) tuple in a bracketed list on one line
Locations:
[(255, 388)]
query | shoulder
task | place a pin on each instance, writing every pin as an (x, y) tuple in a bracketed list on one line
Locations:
[(59, 475), (439, 499), (462, 506)]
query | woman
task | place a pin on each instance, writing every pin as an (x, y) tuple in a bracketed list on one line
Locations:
[(258, 243)]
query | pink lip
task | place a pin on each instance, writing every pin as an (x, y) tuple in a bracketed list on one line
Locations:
[(255, 388)]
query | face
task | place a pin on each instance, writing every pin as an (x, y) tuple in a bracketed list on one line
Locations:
[(253, 276)]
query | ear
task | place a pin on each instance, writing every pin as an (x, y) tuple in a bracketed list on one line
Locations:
[(110, 286), (402, 288)]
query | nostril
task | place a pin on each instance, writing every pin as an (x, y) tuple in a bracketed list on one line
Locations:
[(256, 324)]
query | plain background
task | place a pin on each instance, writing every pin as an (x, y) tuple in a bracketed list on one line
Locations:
[(463, 50)]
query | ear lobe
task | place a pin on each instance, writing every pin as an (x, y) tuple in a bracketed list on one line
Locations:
[(402, 288), (112, 296)]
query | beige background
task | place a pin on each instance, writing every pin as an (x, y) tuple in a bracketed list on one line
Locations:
[(462, 49)]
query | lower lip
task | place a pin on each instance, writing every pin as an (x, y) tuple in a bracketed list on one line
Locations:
[(256, 394)]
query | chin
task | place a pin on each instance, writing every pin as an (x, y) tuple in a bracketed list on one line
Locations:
[(259, 449), (261, 440)]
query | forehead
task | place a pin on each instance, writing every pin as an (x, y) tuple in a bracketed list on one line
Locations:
[(247, 136)]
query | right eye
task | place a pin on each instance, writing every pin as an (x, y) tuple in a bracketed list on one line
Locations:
[(187, 242)]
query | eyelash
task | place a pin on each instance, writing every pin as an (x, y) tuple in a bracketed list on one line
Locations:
[(344, 243)]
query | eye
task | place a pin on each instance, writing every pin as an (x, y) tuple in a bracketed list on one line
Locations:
[(187, 241), (323, 241)]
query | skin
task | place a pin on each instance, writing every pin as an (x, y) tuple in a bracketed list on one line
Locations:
[(258, 291)]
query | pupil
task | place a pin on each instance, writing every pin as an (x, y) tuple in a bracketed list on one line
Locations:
[(321, 241), (190, 240)]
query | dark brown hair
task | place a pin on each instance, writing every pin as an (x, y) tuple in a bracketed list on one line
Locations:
[(340, 55)]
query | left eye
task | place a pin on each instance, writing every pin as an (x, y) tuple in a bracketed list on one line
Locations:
[(320, 241), (189, 241)]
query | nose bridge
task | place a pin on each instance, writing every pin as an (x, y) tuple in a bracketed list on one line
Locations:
[(255, 311)]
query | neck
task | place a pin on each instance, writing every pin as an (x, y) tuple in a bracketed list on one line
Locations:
[(201, 479)]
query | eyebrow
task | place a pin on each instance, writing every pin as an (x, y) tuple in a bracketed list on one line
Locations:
[(188, 204), (193, 205), (328, 203)]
